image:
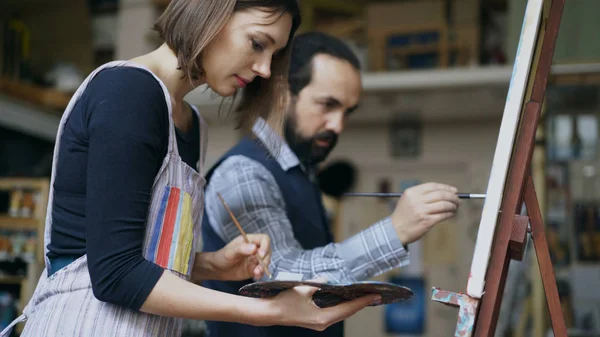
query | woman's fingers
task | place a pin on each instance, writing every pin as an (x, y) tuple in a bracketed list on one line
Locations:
[(263, 242), (344, 310)]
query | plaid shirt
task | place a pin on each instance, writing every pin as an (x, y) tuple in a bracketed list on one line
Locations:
[(254, 197)]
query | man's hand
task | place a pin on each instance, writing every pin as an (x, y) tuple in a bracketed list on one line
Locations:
[(421, 207), (236, 261)]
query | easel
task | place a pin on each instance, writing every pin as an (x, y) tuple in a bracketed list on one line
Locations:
[(479, 316)]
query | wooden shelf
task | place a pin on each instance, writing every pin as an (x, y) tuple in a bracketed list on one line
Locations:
[(28, 118), (36, 222), (16, 223), (17, 280), (32, 5), (30, 183), (43, 97)]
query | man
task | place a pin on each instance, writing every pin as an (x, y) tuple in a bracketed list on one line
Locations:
[(274, 191)]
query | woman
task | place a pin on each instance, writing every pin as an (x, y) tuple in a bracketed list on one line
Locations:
[(127, 188)]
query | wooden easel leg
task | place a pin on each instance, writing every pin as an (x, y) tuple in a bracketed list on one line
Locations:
[(467, 305), (542, 252)]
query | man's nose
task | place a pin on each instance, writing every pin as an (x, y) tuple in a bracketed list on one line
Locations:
[(336, 123)]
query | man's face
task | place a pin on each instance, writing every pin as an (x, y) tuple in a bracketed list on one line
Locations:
[(319, 110)]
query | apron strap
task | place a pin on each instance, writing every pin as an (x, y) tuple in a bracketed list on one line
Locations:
[(203, 141), (6, 332), (63, 121)]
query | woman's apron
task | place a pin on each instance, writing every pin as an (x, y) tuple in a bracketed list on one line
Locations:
[(64, 305)]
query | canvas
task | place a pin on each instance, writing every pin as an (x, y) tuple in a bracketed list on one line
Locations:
[(504, 148)]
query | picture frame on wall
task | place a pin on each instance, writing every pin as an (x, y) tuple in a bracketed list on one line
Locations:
[(408, 317)]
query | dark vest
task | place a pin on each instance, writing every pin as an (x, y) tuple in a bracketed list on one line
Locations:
[(307, 215)]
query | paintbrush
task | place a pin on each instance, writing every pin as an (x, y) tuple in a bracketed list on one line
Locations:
[(244, 234), (394, 195)]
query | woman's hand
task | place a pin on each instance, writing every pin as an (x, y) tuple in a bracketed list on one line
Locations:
[(297, 308), (174, 297), (236, 261)]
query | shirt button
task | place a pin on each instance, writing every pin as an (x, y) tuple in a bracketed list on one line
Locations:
[(369, 272), (393, 261)]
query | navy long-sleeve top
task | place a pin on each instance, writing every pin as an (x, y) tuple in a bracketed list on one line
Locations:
[(111, 149)]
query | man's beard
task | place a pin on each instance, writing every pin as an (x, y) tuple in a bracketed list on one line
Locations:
[(306, 149)]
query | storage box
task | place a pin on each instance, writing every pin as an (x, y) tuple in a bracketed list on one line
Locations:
[(422, 34), (467, 39), (465, 12), (406, 13)]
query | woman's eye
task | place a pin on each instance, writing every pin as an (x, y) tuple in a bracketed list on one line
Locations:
[(257, 46)]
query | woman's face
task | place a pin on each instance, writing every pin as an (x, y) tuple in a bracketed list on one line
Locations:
[(244, 49)]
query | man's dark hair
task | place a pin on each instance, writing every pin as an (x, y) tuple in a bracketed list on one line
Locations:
[(305, 47)]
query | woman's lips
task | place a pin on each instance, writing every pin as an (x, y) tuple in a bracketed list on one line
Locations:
[(242, 82)]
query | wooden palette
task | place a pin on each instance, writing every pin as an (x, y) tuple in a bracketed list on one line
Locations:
[(330, 295)]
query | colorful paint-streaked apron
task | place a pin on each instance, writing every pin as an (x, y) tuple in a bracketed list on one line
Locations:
[(64, 305)]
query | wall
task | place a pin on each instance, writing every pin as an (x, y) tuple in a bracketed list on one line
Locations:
[(468, 142), (455, 153), (577, 34), (221, 137), (441, 141), (135, 20)]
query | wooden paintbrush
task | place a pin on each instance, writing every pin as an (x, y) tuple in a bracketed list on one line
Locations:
[(244, 234)]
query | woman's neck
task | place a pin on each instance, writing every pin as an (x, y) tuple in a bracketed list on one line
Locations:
[(163, 63)]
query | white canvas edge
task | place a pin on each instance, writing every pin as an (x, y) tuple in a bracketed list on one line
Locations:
[(504, 147)]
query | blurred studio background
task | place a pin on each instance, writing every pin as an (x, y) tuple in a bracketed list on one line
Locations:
[(436, 75)]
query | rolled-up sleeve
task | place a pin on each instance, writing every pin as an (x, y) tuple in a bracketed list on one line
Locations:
[(254, 197), (374, 251)]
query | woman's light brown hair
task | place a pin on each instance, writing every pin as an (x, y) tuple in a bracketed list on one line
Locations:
[(188, 26)]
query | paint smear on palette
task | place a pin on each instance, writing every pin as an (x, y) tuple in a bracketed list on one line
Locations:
[(329, 294)]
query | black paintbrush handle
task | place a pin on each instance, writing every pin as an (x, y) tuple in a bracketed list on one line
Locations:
[(396, 195)]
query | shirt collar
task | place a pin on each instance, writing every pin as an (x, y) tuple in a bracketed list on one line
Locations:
[(287, 159)]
